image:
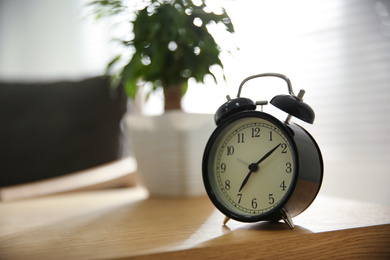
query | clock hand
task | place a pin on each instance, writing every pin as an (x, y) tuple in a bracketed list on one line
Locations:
[(245, 180), (268, 154), (254, 166), (242, 161)]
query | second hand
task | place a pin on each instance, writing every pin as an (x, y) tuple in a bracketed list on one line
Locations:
[(238, 159)]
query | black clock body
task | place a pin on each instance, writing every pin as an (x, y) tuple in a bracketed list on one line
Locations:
[(307, 175)]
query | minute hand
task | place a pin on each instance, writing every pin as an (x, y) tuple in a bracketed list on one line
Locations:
[(256, 164), (268, 154)]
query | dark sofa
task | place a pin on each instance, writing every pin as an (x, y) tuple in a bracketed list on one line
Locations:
[(52, 129)]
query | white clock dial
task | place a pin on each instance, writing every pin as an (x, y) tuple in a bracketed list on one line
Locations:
[(253, 166)]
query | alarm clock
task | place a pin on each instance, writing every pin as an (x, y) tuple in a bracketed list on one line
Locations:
[(256, 167)]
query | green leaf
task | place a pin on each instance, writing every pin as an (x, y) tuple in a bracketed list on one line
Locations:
[(131, 88), (112, 62), (212, 74), (185, 88)]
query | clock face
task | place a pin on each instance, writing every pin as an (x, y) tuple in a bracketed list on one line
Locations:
[(249, 166)]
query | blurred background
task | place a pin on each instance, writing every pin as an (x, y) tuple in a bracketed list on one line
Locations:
[(337, 50)]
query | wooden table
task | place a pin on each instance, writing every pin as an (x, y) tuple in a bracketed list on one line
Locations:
[(126, 224)]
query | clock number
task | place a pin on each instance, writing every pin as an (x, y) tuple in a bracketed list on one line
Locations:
[(227, 185), (223, 167), (284, 147), (271, 199), (239, 195), (256, 132), (240, 138), (283, 186), (230, 150), (270, 135), (254, 203), (288, 169)]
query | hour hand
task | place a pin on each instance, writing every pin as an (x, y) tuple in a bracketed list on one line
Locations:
[(245, 181)]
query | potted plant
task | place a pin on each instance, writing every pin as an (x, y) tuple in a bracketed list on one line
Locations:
[(171, 44)]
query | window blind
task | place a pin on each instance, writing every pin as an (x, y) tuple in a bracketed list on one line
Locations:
[(339, 52), (348, 65)]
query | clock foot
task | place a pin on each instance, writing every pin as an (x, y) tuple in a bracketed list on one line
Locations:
[(226, 220), (287, 218)]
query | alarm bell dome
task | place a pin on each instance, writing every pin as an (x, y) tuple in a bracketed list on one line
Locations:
[(233, 106), (295, 107)]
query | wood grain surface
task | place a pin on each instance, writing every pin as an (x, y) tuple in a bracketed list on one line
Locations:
[(127, 224)]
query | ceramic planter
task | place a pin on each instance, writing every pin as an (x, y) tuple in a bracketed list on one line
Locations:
[(169, 150)]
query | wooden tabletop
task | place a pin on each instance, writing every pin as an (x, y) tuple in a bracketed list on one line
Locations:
[(126, 224)]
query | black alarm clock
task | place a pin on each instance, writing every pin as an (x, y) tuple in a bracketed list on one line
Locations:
[(256, 167)]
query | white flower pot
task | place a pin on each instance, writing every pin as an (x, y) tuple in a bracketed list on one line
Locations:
[(169, 150)]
